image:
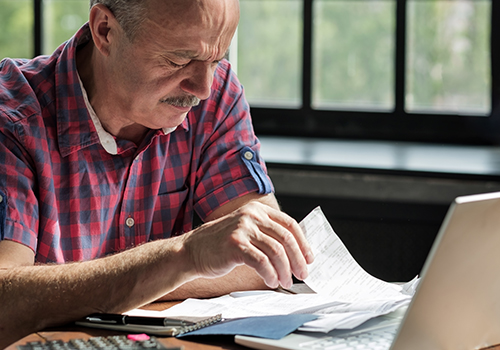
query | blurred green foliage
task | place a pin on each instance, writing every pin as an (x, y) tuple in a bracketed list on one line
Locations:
[(16, 28), (62, 18), (449, 64), (270, 51), (353, 54)]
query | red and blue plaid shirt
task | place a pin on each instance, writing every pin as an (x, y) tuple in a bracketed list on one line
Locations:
[(64, 196)]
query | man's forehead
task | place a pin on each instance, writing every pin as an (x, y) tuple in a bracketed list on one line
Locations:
[(177, 11), (210, 18), (188, 31)]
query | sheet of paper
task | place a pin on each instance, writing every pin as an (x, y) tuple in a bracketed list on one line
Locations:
[(345, 297), (351, 316), (334, 314), (334, 271), (271, 303)]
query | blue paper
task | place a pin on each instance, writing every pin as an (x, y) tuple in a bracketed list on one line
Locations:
[(271, 327)]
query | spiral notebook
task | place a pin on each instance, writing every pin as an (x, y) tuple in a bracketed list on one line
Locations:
[(189, 324)]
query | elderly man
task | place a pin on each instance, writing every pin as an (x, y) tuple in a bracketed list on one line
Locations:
[(107, 148)]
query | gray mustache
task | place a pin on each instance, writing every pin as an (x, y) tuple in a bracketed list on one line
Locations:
[(182, 101)]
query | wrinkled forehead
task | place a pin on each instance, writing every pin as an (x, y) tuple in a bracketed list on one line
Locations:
[(214, 20), (178, 11)]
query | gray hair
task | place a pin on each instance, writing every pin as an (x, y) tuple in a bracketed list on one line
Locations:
[(130, 14)]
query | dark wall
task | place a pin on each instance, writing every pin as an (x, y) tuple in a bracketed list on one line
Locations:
[(388, 219), (389, 240)]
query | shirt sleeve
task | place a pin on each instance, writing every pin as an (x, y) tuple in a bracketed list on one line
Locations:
[(230, 162), (18, 204)]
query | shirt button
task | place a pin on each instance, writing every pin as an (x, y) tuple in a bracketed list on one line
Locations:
[(130, 222), (248, 155)]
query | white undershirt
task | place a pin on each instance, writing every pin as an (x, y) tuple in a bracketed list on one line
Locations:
[(107, 140)]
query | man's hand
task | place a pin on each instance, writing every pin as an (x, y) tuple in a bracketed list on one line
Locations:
[(257, 235)]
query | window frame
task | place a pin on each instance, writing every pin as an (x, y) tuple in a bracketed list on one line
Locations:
[(38, 27), (396, 125)]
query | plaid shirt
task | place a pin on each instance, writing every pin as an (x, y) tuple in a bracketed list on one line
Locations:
[(64, 196)]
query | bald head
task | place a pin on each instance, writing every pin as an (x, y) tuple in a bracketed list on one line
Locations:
[(215, 19), (131, 14)]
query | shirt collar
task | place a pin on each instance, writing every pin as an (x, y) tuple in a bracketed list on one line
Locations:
[(107, 140), (78, 124)]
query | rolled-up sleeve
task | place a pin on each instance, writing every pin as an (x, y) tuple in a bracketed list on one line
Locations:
[(230, 162)]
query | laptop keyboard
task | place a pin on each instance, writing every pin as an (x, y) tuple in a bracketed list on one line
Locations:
[(379, 340)]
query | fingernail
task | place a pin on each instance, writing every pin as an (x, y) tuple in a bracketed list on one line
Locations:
[(304, 274), (275, 284), (309, 257)]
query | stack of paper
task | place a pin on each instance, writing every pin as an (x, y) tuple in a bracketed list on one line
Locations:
[(345, 295)]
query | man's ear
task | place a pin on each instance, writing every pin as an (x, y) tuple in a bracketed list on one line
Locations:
[(103, 26)]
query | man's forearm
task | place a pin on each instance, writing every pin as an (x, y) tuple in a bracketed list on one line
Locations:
[(241, 278), (35, 297)]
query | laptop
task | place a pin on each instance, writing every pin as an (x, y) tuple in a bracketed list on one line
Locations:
[(457, 302)]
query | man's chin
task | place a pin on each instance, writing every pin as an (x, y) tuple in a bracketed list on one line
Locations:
[(173, 121)]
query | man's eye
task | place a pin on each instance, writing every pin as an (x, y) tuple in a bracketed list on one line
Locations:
[(175, 65)]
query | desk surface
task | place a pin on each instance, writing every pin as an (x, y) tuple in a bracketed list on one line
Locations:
[(71, 332)]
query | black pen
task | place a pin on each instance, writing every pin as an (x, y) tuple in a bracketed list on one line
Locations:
[(136, 320)]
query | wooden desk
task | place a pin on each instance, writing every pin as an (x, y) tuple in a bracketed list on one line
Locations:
[(74, 332)]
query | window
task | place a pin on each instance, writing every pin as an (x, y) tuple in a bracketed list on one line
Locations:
[(412, 70), (352, 50), (32, 27), (272, 76), (16, 34), (448, 65), (61, 19)]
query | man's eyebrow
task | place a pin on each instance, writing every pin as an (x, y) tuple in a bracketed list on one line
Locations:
[(192, 56), (185, 54)]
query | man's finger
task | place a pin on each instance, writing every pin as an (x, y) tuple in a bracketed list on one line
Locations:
[(292, 226), (260, 262), (277, 256), (286, 240)]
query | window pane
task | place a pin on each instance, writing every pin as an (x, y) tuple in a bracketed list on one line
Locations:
[(61, 19), (269, 60), (353, 54), (16, 29), (448, 63)]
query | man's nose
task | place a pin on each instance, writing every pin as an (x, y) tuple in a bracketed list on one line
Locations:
[(199, 78)]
